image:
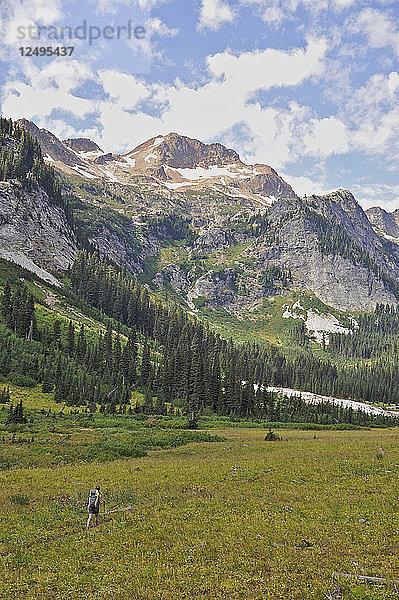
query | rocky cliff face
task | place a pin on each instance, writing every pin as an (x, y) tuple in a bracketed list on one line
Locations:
[(266, 184), (82, 145), (33, 231), (337, 280), (384, 222), (289, 240), (342, 207)]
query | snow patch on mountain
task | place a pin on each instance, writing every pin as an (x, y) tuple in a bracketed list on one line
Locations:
[(320, 323), (83, 172), (265, 200), (175, 186), (316, 323), (110, 176), (208, 173), (150, 157)]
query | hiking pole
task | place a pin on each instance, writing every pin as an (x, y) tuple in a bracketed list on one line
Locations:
[(129, 507)]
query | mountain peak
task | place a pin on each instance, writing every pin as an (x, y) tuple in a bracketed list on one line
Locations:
[(53, 149), (82, 145), (174, 162), (182, 152), (383, 222)]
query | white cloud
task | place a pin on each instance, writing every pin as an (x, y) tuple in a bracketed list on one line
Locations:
[(344, 3), (384, 195), (155, 26), (47, 89), (305, 185), (215, 108), (269, 68), (214, 13), (275, 12), (327, 136), (23, 13), (207, 112), (380, 30), (148, 4), (125, 91), (113, 6), (373, 112), (379, 136)]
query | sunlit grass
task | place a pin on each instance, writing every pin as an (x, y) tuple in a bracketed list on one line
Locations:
[(223, 520), (33, 398)]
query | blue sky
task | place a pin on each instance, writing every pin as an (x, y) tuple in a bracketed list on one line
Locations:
[(309, 87)]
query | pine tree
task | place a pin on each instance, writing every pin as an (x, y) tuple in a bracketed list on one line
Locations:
[(71, 339), (4, 395), (145, 366)]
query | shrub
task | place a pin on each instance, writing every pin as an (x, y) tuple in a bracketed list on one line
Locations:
[(272, 437), (20, 500)]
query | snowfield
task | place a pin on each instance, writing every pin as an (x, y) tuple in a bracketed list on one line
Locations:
[(110, 175), (150, 157), (210, 172), (265, 200), (83, 172), (316, 322), (311, 398), (175, 186)]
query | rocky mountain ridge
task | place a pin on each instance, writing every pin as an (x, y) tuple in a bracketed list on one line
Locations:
[(170, 163), (384, 223), (82, 145), (194, 219)]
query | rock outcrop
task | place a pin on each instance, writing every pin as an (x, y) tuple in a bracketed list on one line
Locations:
[(81, 145), (53, 149), (33, 231), (386, 223), (182, 152)]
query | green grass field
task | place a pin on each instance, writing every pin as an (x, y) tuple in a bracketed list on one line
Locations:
[(221, 520)]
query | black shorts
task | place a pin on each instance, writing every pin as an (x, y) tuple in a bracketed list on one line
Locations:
[(94, 511)]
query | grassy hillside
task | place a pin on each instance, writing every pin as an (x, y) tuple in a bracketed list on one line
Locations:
[(242, 519)]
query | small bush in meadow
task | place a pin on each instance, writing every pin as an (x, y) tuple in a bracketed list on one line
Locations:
[(19, 500)]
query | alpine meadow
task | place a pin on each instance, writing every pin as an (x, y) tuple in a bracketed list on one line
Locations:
[(199, 352)]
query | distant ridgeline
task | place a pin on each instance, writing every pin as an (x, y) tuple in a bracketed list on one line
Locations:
[(174, 359)]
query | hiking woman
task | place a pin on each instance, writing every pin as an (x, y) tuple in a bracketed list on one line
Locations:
[(94, 506)]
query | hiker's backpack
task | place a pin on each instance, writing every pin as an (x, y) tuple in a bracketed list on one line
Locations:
[(93, 499)]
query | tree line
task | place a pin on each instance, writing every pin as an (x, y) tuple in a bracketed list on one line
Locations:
[(176, 361)]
